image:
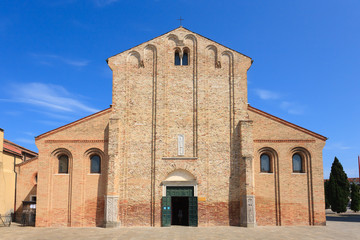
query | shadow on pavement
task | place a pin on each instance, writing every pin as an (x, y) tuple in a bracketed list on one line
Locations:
[(344, 218)]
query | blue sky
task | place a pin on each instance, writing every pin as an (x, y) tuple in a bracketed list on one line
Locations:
[(306, 60)]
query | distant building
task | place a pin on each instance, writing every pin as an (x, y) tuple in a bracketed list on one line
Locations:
[(10, 155), (354, 180)]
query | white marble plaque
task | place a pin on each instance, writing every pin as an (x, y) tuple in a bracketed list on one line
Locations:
[(111, 208), (181, 145)]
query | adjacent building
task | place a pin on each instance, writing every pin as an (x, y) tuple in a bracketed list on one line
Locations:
[(10, 155)]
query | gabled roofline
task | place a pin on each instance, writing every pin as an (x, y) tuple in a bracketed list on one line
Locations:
[(81, 120), (187, 30), (22, 148), (289, 124), (11, 152), (25, 162)]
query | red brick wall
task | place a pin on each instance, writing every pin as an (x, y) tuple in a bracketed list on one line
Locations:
[(282, 197), (26, 184), (75, 199)]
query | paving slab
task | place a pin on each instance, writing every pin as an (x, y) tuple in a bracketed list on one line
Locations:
[(339, 226)]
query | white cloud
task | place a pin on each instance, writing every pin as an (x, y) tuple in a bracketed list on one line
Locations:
[(266, 94), (25, 140), (292, 107), (49, 96), (52, 59)]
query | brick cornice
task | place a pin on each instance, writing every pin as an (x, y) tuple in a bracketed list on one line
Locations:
[(76, 141), (284, 141), (20, 148), (87, 118), (289, 124)]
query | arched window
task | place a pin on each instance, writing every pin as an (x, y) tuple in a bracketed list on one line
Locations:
[(297, 163), (185, 58), (177, 58), (265, 163), (63, 164), (95, 164)]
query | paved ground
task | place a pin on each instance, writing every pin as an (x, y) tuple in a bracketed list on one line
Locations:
[(341, 227)]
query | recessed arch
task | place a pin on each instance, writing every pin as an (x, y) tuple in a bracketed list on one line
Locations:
[(134, 58), (95, 157), (273, 157), (300, 154), (179, 177)]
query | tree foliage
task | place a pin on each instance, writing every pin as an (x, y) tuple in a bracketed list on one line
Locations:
[(338, 188), (355, 198), (326, 189)]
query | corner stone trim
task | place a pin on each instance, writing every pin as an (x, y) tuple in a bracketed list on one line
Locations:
[(248, 213), (111, 211)]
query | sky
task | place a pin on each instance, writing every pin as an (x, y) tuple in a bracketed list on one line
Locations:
[(306, 60)]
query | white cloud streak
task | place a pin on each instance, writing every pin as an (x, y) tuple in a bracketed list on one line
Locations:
[(266, 94), (25, 140), (52, 59), (288, 106), (292, 107), (49, 96)]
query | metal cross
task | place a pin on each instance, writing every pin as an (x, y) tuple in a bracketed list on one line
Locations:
[(180, 19)]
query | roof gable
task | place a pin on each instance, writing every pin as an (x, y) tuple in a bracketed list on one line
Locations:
[(87, 118), (174, 31), (286, 123)]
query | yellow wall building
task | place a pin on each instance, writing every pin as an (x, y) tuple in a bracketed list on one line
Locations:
[(10, 154)]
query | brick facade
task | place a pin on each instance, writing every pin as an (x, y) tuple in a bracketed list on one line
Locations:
[(155, 102)]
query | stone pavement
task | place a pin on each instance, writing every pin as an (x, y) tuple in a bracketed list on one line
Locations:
[(339, 226)]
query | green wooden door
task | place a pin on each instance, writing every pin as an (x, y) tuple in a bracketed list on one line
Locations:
[(193, 211), (166, 211)]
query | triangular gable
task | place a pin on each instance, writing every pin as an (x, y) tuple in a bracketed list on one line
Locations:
[(87, 118), (289, 124), (173, 31)]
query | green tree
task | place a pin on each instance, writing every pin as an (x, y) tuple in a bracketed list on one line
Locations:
[(355, 198), (326, 190), (338, 188)]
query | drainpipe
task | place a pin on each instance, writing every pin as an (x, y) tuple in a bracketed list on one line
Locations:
[(14, 218)]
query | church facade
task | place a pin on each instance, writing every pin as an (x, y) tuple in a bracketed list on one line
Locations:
[(180, 145)]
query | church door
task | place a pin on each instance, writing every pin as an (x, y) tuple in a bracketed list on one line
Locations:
[(179, 207)]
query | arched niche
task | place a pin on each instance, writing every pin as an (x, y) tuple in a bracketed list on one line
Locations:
[(134, 59), (179, 178)]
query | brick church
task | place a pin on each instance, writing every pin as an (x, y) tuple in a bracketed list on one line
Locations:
[(180, 145)]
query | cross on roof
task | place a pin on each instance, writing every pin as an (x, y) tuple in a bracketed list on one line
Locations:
[(180, 19)]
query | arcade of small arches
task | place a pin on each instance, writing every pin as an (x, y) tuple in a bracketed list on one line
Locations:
[(268, 156), (93, 155)]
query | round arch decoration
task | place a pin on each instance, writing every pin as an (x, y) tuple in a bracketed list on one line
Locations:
[(177, 178), (273, 157)]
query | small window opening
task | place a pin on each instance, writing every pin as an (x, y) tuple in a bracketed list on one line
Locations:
[(63, 164), (264, 163), (297, 163), (95, 164), (177, 58), (185, 58), (33, 198)]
